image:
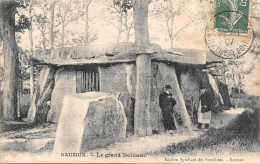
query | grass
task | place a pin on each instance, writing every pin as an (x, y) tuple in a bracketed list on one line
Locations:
[(245, 101), (240, 136)]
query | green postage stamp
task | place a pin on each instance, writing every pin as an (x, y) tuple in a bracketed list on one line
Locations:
[(232, 16), (229, 33)]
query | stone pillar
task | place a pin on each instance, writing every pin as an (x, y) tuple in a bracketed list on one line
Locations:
[(169, 77), (39, 106), (142, 124)]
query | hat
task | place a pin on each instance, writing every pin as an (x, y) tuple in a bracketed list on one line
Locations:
[(168, 87)]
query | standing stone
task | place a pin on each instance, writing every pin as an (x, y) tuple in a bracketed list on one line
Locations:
[(89, 120), (169, 77), (223, 89), (65, 83), (217, 98), (142, 123), (128, 103), (39, 108)]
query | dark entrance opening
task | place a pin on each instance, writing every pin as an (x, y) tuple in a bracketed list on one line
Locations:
[(87, 79)]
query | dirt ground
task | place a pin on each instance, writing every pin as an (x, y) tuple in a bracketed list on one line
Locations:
[(36, 144)]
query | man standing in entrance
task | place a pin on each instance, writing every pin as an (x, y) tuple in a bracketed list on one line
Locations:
[(167, 103), (204, 109)]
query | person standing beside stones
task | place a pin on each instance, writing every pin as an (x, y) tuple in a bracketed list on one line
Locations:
[(204, 109), (167, 103)]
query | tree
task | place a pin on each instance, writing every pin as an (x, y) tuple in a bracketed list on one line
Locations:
[(126, 24), (52, 7), (87, 3), (237, 70), (7, 36), (67, 15), (168, 10), (120, 10), (42, 21), (31, 49)]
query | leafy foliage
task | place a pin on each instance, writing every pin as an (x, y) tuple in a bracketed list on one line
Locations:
[(123, 4), (23, 23)]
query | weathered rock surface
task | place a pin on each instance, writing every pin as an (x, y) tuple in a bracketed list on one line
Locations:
[(165, 74), (65, 83), (189, 84), (217, 98), (128, 103), (223, 89), (209, 82), (113, 79), (39, 108), (89, 120)]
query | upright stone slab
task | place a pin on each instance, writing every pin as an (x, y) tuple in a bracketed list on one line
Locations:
[(209, 82), (128, 103), (223, 89), (113, 79), (39, 107), (89, 120), (169, 77), (142, 123), (189, 84), (65, 83), (217, 98)]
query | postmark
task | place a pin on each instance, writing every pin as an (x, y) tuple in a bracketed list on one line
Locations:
[(229, 34)]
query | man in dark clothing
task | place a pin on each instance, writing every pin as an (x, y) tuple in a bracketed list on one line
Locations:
[(204, 110), (167, 103)]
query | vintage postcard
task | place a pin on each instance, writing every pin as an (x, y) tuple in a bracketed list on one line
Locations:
[(130, 81)]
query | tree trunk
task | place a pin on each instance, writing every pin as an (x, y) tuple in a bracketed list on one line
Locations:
[(7, 23), (171, 42), (171, 31), (86, 22), (224, 72), (142, 124), (120, 27), (51, 24), (62, 32), (43, 38), (31, 51), (127, 31), (140, 9)]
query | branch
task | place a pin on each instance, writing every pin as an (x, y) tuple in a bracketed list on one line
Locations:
[(112, 6), (184, 27), (168, 28), (108, 21), (88, 2), (129, 28)]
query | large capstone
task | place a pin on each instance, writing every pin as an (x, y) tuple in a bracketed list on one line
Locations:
[(89, 120)]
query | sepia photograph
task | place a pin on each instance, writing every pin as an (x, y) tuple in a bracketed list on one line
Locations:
[(130, 81)]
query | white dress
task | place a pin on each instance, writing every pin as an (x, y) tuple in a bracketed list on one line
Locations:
[(203, 118)]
